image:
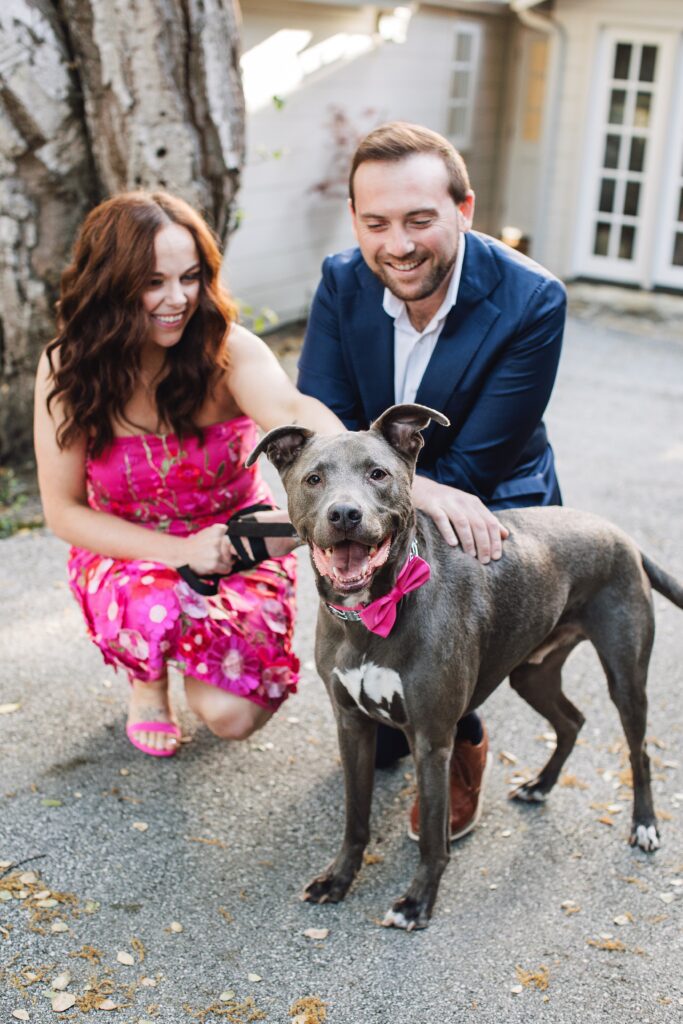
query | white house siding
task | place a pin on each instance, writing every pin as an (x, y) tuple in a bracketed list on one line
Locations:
[(583, 22), (274, 258)]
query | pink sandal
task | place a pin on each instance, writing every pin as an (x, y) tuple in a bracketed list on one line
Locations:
[(168, 727)]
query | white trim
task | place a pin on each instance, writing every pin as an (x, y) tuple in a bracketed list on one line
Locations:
[(664, 271), (638, 269)]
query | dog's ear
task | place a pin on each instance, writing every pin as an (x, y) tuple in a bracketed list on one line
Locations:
[(401, 426), (282, 446)]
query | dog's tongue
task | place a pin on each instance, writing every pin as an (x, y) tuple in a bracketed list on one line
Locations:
[(350, 558)]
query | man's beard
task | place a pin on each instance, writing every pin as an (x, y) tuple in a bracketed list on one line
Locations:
[(435, 278)]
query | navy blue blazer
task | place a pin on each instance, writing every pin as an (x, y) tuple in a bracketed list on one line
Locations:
[(491, 372)]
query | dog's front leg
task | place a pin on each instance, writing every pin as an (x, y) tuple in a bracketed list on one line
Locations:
[(432, 761), (357, 740)]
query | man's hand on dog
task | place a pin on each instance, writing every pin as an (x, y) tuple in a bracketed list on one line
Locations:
[(461, 518)]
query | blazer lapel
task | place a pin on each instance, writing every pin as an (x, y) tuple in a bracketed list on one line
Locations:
[(370, 337), (465, 329)]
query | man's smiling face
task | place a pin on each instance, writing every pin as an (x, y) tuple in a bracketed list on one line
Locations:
[(408, 225)]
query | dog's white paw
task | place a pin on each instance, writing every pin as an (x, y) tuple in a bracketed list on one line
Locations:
[(646, 837), (395, 919), (530, 795)]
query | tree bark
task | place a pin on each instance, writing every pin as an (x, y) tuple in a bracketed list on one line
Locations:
[(99, 96)]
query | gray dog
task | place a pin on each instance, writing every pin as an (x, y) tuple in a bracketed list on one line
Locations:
[(419, 645)]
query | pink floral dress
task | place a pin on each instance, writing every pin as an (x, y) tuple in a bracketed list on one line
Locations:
[(141, 614)]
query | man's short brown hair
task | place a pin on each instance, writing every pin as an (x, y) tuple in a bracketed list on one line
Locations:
[(399, 139)]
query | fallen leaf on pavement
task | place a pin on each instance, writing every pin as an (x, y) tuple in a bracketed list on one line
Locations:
[(539, 978), (372, 858), (175, 927), (140, 826), (309, 1010), (125, 958), (20, 1014), (9, 709), (63, 1001), (612, 945), (317, 933), (570, 907), (626, 918), (108, 1004), (226, 996), (61, 981)]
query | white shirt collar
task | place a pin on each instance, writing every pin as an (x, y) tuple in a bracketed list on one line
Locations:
[(396, 308)]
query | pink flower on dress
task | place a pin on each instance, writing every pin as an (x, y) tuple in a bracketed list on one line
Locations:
[(234, 666), (157, 611), (106, 608), (274, 615), (279, 673), (134, 644), (192, 603), (184, 472)]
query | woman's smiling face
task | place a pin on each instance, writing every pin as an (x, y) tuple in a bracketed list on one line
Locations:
[(172, 295)]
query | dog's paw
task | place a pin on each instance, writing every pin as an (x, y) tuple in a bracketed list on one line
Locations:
[(326, 888), (530, 793), (406, 914), (646, 837)]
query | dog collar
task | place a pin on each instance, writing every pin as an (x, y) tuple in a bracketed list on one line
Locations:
[(379, 615)]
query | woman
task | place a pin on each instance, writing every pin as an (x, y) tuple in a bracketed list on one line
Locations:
[(147, 402)]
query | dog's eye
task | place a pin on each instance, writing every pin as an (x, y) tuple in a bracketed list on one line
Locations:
[(313, 479), (378, 474)]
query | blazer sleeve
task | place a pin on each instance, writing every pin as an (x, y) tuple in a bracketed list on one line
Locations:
[(511, 401), (323, 372)]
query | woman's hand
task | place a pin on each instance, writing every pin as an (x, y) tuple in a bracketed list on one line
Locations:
[(208, 551), (461, 518)]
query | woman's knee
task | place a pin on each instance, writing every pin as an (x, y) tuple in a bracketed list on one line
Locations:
[(227, 716)]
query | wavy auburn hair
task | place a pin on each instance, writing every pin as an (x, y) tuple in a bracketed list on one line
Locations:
[(102, 325)]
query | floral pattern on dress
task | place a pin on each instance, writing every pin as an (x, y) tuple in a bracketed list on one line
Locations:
[(141, 614)]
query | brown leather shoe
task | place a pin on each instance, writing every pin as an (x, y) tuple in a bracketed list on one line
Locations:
[(469, 765)]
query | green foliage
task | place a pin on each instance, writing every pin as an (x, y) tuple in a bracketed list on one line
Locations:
[(12, 500)]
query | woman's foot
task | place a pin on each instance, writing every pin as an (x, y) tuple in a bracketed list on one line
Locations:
[(149, 702)]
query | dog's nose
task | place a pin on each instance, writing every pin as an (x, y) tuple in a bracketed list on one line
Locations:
[(344, 517)]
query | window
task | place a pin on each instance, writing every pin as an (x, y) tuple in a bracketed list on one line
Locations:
[(466, 43)]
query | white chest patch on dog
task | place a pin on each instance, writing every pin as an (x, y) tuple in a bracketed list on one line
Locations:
[(379, 685)]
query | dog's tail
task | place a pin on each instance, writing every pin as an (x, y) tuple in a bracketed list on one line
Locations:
[(663, 582)]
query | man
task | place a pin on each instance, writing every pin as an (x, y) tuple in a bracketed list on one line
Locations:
[(427, 310)]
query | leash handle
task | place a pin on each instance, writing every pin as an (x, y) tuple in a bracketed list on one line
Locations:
[(207, 585), (237, 527)]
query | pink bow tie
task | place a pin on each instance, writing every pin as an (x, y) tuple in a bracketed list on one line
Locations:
[(380, 615)]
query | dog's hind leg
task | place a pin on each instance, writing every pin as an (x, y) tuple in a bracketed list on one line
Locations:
[(624, 645), (541, 687)]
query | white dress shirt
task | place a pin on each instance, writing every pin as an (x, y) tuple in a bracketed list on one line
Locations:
[(413, 349)]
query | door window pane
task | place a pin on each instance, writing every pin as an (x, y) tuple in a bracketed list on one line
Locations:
[(677, 258), (628, 234), (460, 85), (457, 121), (463, 47), (631, 197), (601, 245), (680, 205), (637, 157), (648, 61), (622, 60), (616, 106), (612, 144), (642, 114), (606, 204)]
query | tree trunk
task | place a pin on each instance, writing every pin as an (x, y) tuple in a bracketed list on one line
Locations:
[(99, 96)]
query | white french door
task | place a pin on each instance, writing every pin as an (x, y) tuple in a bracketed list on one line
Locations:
[(626, 222)]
